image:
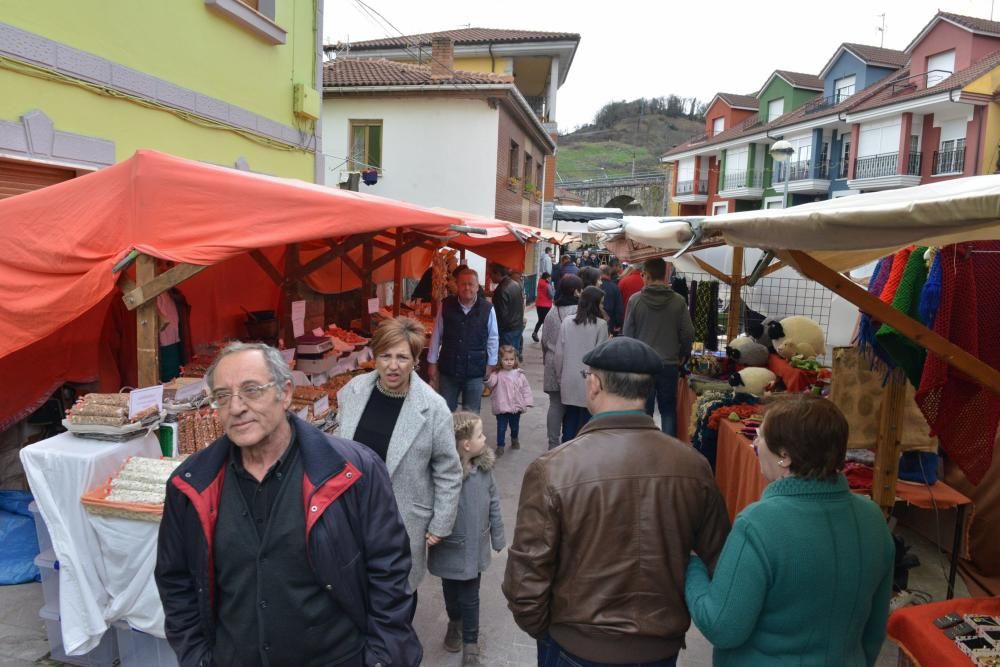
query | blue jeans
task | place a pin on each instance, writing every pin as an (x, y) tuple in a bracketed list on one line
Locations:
[(514, 338), (551, 654), (574, 418), (461, 601), (512, 419), (665, 393), (471, 390)]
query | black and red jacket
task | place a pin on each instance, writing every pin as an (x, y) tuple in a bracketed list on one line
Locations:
[(356, 545)]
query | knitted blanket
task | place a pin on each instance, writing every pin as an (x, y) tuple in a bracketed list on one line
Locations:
[(703, 302), (907, 354), (712, 335), (868, 325), (930, 295), (693, 299), (963, 413)]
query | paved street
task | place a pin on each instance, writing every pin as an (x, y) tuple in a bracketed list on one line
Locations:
[(23, 642)]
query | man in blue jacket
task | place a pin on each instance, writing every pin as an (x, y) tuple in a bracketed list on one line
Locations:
[(280, 545)]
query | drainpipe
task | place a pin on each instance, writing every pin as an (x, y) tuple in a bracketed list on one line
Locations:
[(493, 60)]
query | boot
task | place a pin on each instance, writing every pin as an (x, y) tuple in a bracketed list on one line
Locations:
[(515, 443), (453, 637), (499, 452), (470, 655)]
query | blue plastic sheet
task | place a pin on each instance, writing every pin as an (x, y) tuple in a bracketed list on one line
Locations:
[(18, 541)]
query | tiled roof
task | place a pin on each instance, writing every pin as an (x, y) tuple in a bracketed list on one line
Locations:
[(466, 36), (800, 80), (973, 23), (876, 55), (959, 79), (349, 72), (752, 125), (740, 101)]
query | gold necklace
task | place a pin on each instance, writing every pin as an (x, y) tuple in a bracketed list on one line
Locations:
[(389, 392)]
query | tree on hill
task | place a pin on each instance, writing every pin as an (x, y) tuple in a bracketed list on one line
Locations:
[(671, 106)]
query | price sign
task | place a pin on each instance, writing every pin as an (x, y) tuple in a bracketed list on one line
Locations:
[(140, 399), (191, 390), (321, 406)]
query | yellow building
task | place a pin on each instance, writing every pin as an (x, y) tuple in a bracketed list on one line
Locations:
[(230, 82)]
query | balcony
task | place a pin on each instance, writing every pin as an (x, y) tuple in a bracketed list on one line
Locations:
[(742, 185), (691, 192), (948, 162), (882, 172), (802, 178)]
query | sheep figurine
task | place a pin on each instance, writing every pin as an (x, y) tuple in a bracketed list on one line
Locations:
[(796, 335), (745, 350), (758, 330), (752, 380)]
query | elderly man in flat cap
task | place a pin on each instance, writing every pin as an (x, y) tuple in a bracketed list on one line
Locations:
[(605, 526)]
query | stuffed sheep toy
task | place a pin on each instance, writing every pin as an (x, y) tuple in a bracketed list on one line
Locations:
[(745, 350), (752, 380), (796, 335), (758, 330)]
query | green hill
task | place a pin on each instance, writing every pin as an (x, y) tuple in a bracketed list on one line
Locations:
[(594, 152)]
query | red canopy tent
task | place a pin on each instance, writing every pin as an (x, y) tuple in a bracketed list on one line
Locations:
[(60, 316)]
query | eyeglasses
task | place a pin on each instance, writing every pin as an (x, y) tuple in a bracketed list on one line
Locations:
[(250, 393), (586, 373)]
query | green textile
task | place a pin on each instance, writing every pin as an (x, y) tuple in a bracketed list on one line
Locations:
[(907, 354), (804, 579), (703, 305)]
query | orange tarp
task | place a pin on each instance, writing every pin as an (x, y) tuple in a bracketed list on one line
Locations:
[(60, 243)]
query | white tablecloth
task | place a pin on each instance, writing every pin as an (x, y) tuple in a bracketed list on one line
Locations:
[(105, 564)]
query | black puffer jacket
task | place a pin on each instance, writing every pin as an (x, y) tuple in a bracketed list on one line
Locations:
[(357, 547)]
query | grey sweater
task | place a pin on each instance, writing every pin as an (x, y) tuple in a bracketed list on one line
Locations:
[(659, 317)]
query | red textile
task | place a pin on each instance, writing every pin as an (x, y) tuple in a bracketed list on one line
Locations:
[(914, 630), (899, 261), (630, 284), (961, 412), (795, 379), (859, 476), (744, 410)]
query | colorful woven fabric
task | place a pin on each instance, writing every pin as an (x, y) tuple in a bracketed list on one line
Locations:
[(705, 439), (930, 295), (899, 261), (712, 333), (868, 325), (907, 354), (702, 307), (693, 299), (744, 410), (963, 413)]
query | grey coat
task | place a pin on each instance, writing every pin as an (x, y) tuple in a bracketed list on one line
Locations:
[(550, 336), (466, 552), (575, 341), (422, 459)]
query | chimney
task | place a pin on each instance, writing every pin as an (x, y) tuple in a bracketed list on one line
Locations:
[(442, 58)]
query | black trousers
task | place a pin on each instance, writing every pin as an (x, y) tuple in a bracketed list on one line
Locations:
[(542, 312), (461, 601)]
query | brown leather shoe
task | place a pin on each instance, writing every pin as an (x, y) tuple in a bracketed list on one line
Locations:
[(515, 443), (470, 655), (453, 637)]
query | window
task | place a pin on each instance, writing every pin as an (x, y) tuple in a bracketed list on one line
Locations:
[(512, 161), (939, 67), (366, 144), (879, 138), (685, 170), (775, 108), (539, 177), (845, 157), (843, 88), (528, 171), (256, 16), (718, 125), (951, 157), (719, 209)]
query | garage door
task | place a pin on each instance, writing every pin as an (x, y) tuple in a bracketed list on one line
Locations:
[(20, 177)]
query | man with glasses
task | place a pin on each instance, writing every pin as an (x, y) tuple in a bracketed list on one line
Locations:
[(606, 524), (280, 545)]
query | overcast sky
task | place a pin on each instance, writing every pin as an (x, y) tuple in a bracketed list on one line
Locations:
[(649, 49)]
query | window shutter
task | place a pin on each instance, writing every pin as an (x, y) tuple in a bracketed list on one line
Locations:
[(375, 146)]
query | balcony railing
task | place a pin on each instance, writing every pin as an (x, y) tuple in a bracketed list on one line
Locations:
[(800, 170), (877, 166), (949, 162), (687, 187), (742, 179), (842, 94)]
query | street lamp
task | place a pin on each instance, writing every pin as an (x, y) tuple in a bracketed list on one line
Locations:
[(782, 151)]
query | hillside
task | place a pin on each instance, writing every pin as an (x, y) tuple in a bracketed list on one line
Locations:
[(591, 152)]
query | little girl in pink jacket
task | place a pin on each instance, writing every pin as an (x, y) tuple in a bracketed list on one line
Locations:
[(511, 396)]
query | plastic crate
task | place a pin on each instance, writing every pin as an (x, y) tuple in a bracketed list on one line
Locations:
[(138, 649), (44, 541), (48, 566), (105, 655)]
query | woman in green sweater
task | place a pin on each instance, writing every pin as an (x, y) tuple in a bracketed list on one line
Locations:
[(806, 573)]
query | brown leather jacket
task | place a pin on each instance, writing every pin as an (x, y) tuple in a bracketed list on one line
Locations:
[(605, 526)]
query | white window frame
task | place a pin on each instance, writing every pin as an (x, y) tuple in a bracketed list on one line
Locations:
[(940, 61), (888, 138), (771, 106), (718, 125), (720, 208), (685, 170), (843, 83), (780, 201), (260, 21)]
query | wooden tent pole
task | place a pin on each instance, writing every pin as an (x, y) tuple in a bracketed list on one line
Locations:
[(291, 269), (367, 253), (888, 440), (397, 275), (148, 290), (147, 326), (735, 295), (955, 356)]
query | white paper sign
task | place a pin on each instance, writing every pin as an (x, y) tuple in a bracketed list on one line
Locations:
[(191, 390), (298, 318), (348, 363), (289, 355), (303, 414), (321, 406), (373, 306), (318, 331), (140, 399), (365, 354)]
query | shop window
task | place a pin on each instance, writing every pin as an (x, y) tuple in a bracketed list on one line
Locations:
[(512, 161), (366, 145), (528, 171)]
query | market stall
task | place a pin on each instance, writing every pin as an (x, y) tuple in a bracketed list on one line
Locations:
[(240, 245)]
